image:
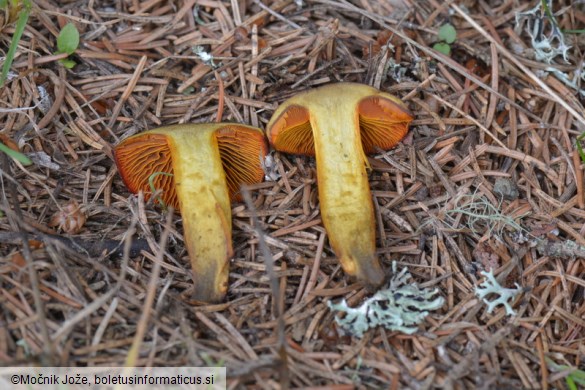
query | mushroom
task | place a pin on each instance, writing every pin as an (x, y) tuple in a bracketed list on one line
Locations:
[(199, 168), (339, 124)]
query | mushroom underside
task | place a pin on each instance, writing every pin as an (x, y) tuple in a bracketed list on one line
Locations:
[(241, 150), (383, 123), (145, 162)]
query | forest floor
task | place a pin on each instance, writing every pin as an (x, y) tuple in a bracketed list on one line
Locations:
[(488, 178)]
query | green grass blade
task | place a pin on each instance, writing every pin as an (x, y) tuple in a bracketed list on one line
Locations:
[(20, 25), (153, 189), (574, 31), (579, 377), (549, 13), (15, 155), (580, 147)]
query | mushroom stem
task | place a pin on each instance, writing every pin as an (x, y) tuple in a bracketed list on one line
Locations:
[(345, 198), (339, 124), (205, 207)]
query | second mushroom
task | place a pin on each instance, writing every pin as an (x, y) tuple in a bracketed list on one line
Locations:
[(198, 168), (339, 124)]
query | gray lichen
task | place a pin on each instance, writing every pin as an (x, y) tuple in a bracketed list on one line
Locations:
[(401, 306), (491, 286), (546, 36)]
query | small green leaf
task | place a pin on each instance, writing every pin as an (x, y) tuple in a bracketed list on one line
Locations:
[(442, 47), (447, 33), (68, 39), (15, 155), (68, 63), (3, 3)]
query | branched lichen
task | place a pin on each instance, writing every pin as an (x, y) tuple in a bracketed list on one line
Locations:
[(546, 45), (548, 41), (491, 286), (401, 306)]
